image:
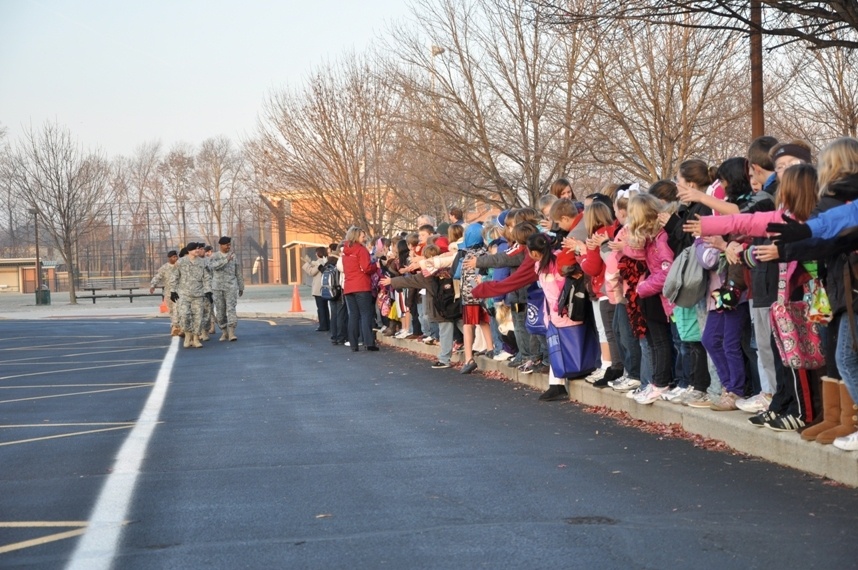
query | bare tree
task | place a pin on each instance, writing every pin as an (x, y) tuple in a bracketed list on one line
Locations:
[(489, 88), (218, 184), (813, 24), (665, 95), (14, 218), (172, 194), (328, 148), (68, 188), (820, 99)]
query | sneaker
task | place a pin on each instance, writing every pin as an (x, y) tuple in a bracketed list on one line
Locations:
[(760, 419), (377, 328), (595, 375), (618, 380), (414, 337), (347, 343), (527, 367), (440, 364), (674, 394), (694, 399), (785, 422), (727, 402), (401, 335), (611, 374), (626, 384), (458, 347), (754, 404), (469, 367), (554, 393), (650, 395), (502, 356), (515, 362), (847, 442), (632, 394), (430, 341)]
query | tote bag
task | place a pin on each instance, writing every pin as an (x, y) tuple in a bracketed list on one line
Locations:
[(535, 315), (796, 337), (573, 350)]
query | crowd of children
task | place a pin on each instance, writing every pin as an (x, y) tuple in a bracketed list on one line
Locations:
[(728, 287)]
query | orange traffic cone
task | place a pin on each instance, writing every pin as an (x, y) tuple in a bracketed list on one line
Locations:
[(296, 301)]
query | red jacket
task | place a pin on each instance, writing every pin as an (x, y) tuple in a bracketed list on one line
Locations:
[(357, 267), (592, 263), (523, 276)]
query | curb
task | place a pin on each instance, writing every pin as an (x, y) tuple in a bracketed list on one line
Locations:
[(731, 428)]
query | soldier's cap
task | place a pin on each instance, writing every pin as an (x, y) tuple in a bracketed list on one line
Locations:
[(209, 248), (201, 245), (172, 253), (224, 240), (192, 245)]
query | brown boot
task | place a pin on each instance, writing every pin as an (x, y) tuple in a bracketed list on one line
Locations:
[(187, 343), (230, 331), (195, 341), (848, 415), (175, 331), (830, 410), (223, 334)]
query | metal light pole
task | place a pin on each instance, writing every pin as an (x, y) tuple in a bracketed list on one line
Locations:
[(35, 213)]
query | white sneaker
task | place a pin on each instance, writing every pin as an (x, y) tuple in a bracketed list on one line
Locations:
[(428, 340), (651, 394), (626, 384), (597, 374), (674, 394), (401, 334), (347, 343), (632, 394), (754, 404), (501, 356), (847, 442)]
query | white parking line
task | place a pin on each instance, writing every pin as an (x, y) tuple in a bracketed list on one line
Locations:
[(97, 547)]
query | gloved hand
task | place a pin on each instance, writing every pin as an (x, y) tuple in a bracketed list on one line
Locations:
[(174, 296), (790, 230), (210, 297)]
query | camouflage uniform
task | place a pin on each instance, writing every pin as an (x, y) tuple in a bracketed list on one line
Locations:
[(227, 284), (191, 280), (162, 279), (208, 308)]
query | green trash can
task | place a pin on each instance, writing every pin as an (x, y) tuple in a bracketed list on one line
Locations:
[(43, 296)]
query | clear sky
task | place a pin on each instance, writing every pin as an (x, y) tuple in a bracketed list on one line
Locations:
[(118, 73)]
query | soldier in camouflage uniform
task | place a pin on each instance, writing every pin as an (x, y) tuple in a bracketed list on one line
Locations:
[(228, 286), (208, 308), (162, 279), (191, 285)]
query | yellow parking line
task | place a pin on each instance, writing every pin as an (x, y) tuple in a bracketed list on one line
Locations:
[(71, 394), (72, 434), (44, 539)]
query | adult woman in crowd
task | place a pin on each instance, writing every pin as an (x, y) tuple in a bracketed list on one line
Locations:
[(357, 288)]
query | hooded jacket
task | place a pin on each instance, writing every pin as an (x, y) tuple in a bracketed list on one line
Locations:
[(357, 267)]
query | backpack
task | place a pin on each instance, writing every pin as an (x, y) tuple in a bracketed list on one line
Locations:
[(687, 282), (331, 289), (444, 298)]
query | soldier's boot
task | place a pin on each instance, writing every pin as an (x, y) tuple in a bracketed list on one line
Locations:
[(175, 331), (195, 341), (187, 343), (203, 336), (224, 335), (230, 331)]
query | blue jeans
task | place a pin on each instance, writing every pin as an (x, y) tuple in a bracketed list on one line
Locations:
[(361, 317), (661, 356), (445, 332), (630, 348), (847, 358), (497, 341)]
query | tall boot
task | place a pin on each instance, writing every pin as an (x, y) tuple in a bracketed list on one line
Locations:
[(230, 330), (848, 418), (195, 341), (223, 334), (830, 410)]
